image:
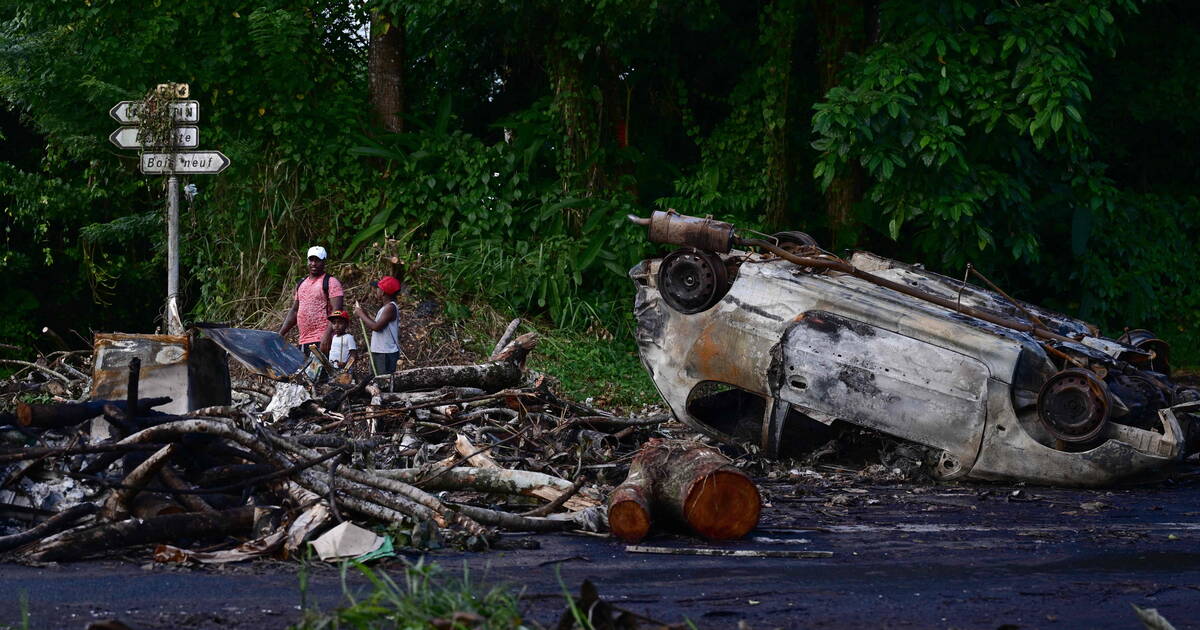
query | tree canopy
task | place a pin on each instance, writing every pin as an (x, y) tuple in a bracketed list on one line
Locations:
[(1045, 142)]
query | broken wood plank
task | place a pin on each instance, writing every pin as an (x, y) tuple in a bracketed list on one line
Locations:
[(729, 553)]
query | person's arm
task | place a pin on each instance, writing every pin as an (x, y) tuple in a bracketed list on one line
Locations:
[(337, 300), (375, 325), (350, 359), (327, 340), (289, 320)]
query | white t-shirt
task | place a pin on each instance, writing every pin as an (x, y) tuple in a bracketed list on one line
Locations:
[(339, 350)]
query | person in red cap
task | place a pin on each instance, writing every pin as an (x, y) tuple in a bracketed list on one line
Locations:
[(338, 344), (385, 326)]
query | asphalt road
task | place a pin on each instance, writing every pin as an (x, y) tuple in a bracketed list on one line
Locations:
[(905, 555)]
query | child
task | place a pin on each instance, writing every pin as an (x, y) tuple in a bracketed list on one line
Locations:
[(338, 344), (385, 326)]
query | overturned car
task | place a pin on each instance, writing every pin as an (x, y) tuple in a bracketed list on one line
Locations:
[(768, 342)]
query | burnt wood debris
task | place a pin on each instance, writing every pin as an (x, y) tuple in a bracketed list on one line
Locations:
[(442, 454)]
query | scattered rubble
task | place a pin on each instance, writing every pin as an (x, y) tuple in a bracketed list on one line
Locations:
[(427, 457)]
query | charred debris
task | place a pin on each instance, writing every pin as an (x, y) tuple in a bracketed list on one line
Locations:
[(147, 442), (775, 344)]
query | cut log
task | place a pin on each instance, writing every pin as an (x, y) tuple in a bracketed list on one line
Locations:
[(59, 415), (78, 544), (687, 483), (492, 376)]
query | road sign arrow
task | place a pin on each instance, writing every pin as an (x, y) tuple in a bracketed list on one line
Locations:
[(126, 112), (187, 137), (184, 163)]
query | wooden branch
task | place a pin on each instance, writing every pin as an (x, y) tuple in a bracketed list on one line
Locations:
[(517, 349), (53, 525), (57, 415), (505, 339), (495, 480), (78, 544), (34, 452), (490, 376), (404, 490), (117, 505), (186, 493), (35, 366)]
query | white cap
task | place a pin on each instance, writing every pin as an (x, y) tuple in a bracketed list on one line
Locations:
[(318, 251)]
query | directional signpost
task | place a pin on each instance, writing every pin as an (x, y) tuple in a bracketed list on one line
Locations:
[(160, 156), (126, 112), (185, 163), (187, 137)]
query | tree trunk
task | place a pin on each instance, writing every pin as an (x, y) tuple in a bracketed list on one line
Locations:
[(779, 37), (691, 484), (76, 545), (59, 415), (840, 31), (385, 68)]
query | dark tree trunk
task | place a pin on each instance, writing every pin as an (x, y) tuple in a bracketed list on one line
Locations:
[(840, 31), (780, 38), (385, 68)]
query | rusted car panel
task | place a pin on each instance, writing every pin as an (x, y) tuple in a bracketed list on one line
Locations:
[(193, 372), (997, 389)]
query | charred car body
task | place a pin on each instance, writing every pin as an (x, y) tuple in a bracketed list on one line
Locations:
[(769, 348)]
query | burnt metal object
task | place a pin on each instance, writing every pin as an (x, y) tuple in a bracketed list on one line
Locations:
[(692, 279), (193, 372), (795, 242), (1074, 405), (672, 228), (804, 342), (263, 352), (1159, 351)]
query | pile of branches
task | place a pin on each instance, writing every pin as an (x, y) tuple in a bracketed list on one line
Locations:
[(444, 454)]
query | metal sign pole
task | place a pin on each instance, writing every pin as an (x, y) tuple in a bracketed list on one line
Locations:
[(174, 323), (160, 155)]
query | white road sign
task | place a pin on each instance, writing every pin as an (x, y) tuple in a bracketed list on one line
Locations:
[(126, 112), (185, 163), (186, 137)]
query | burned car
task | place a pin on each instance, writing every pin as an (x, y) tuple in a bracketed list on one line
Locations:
[(769, 341)]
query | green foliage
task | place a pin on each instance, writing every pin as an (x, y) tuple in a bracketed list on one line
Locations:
[(425, 594), (606, 369), (498, 223), (998, 133)]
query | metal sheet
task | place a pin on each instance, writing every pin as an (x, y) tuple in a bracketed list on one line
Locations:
[(164, 367), (263, 352), (890, 382)]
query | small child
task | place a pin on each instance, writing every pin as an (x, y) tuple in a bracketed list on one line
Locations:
[(385, 326), (338, 345)]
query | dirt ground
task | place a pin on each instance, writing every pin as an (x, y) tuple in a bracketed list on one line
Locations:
[(905, 555)]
